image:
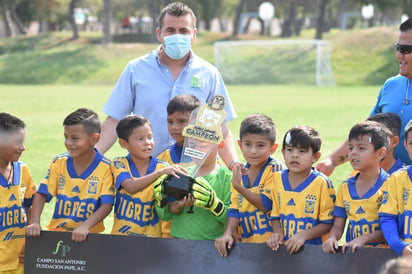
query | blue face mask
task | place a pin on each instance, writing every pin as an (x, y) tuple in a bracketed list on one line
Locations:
[(177, 45)]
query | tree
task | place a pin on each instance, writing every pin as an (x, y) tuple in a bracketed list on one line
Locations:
[(72, 21), (236, 21), (6, 18), (321, 16), (107, 11)]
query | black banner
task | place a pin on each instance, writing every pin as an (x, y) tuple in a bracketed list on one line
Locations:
[(56, 252)]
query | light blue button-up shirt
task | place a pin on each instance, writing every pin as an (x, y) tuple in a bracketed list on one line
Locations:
[(146, 87)]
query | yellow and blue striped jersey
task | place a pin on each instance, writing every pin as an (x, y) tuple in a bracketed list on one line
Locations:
[(77, 196), (304, 207), (396, 202), (361, 212), (135, 213), (254, 224), (15, 197)]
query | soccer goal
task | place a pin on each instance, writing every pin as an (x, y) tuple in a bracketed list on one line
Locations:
[(301, 62)]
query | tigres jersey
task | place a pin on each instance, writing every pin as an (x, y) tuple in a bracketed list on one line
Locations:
[(14, 198), (361, 212), (308, 205), (396, 202), (77, 196), (135, 213), (254, 224), (171, 155)]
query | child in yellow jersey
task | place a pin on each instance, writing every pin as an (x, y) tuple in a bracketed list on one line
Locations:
[(81, 180), (360, 197), (393, 122), (395, 214), (302, 198), (178, 114), (16, 193), (257, 143), (134, 212)]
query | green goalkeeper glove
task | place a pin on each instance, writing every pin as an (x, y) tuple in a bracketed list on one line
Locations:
[(158, 193), (205, 197)]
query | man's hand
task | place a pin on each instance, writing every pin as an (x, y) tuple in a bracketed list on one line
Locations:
[(205, 197), (326, 166)]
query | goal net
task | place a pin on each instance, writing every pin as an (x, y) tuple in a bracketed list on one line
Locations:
[(301, 62)]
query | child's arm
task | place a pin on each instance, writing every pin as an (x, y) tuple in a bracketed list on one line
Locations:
[(376, 236), (34, 228), (226, 238), (176, 207), (134, 186), (277, 237), (298, 240), (253, 198), (389, 227), (331, 244), (81, 232)]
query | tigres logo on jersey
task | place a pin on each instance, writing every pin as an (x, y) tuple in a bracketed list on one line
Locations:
[(62, 182), (405, 195), (310, 204), (379, 201), (119, 164), (347, 207)]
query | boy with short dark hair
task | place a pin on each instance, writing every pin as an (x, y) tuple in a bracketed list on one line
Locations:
[(257, 143), (393, 122), (134, 174), (302, 198), (81, 180), (178, 114), (360, 197), (16, 193), (396, 210)]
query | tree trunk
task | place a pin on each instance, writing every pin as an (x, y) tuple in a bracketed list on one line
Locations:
[(107, 18), (6, 18), (155, 15), (287, 24), (340, 12), (16, 19), (71, 19), (320, 21), (206, 14), (236, 21)]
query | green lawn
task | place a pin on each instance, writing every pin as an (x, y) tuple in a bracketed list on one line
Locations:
[(332, 111)]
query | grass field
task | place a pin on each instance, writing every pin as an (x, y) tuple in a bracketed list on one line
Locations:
[(332, 111)]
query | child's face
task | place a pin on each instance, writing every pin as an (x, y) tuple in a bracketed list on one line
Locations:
[(78, 141), (12, 145), (175, 124), (362, 154), (205, 147), (299, 160), (256, 149), (408, 144), (140, 143)]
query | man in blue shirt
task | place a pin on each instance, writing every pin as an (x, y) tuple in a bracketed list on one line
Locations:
[(148, 83), (395, 96)]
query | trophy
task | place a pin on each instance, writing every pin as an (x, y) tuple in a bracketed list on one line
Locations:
[(202, 134)]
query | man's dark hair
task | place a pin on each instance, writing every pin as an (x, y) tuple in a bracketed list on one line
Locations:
[(405, 26), (177, 9)]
